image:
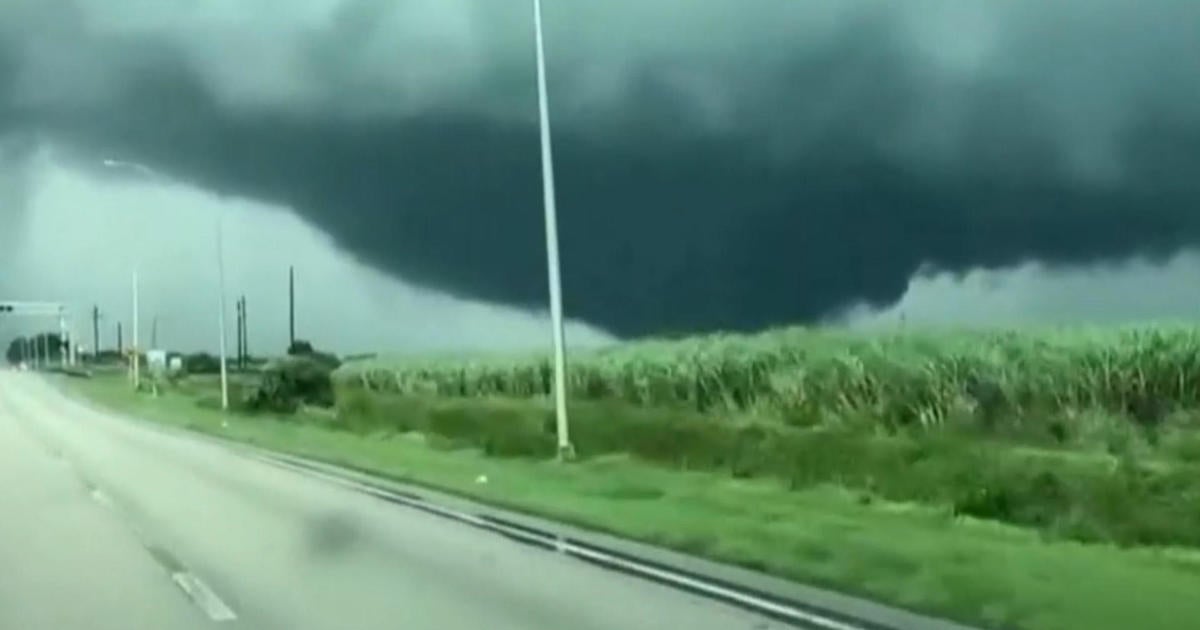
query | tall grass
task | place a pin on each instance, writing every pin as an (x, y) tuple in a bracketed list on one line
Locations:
[(806, 376)]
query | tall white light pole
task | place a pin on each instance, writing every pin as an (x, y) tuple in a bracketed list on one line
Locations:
[(565, 449), (64, 339), (136, 351), (149, 172), (221, 306), (136, 363)]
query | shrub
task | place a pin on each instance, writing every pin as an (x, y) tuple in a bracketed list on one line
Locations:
[(301, 348), (201, 363), (286, 384)]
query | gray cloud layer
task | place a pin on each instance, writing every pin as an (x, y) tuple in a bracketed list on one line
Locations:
[(87, 231), (722, 163)]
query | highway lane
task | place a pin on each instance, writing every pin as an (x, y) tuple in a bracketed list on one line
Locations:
[(64, 561), (105, 523)]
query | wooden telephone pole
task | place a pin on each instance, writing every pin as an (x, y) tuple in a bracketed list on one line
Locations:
[(291, 307), (95, 333), (243, 335)]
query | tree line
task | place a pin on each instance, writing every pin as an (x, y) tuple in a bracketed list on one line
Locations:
[(47, 345)]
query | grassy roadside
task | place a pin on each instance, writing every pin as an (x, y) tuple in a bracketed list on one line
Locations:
[(918, 557)]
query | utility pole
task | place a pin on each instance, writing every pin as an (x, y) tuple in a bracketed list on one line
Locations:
[(245, 337), (243, 353), (238, 308), (95, 333), (291, 307), (120, 341)]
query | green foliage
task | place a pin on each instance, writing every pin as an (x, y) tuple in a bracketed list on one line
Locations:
[(287, 383), (807, 377), (1081, 433), (201, 363), (15, 351), (1091, 498), (51, 344), (301, 348)]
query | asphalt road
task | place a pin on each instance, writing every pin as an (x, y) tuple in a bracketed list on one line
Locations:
[(105, 523)]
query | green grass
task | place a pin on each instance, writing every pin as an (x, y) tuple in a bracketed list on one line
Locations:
[(1121, 490), (907, 554), (1087, 433)]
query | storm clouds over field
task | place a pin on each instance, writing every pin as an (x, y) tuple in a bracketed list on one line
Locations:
[(722, 163)]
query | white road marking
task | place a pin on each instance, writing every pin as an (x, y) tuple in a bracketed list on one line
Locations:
[(203, 596)]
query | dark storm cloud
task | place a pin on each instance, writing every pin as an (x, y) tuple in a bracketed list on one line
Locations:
[(725, 165)]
